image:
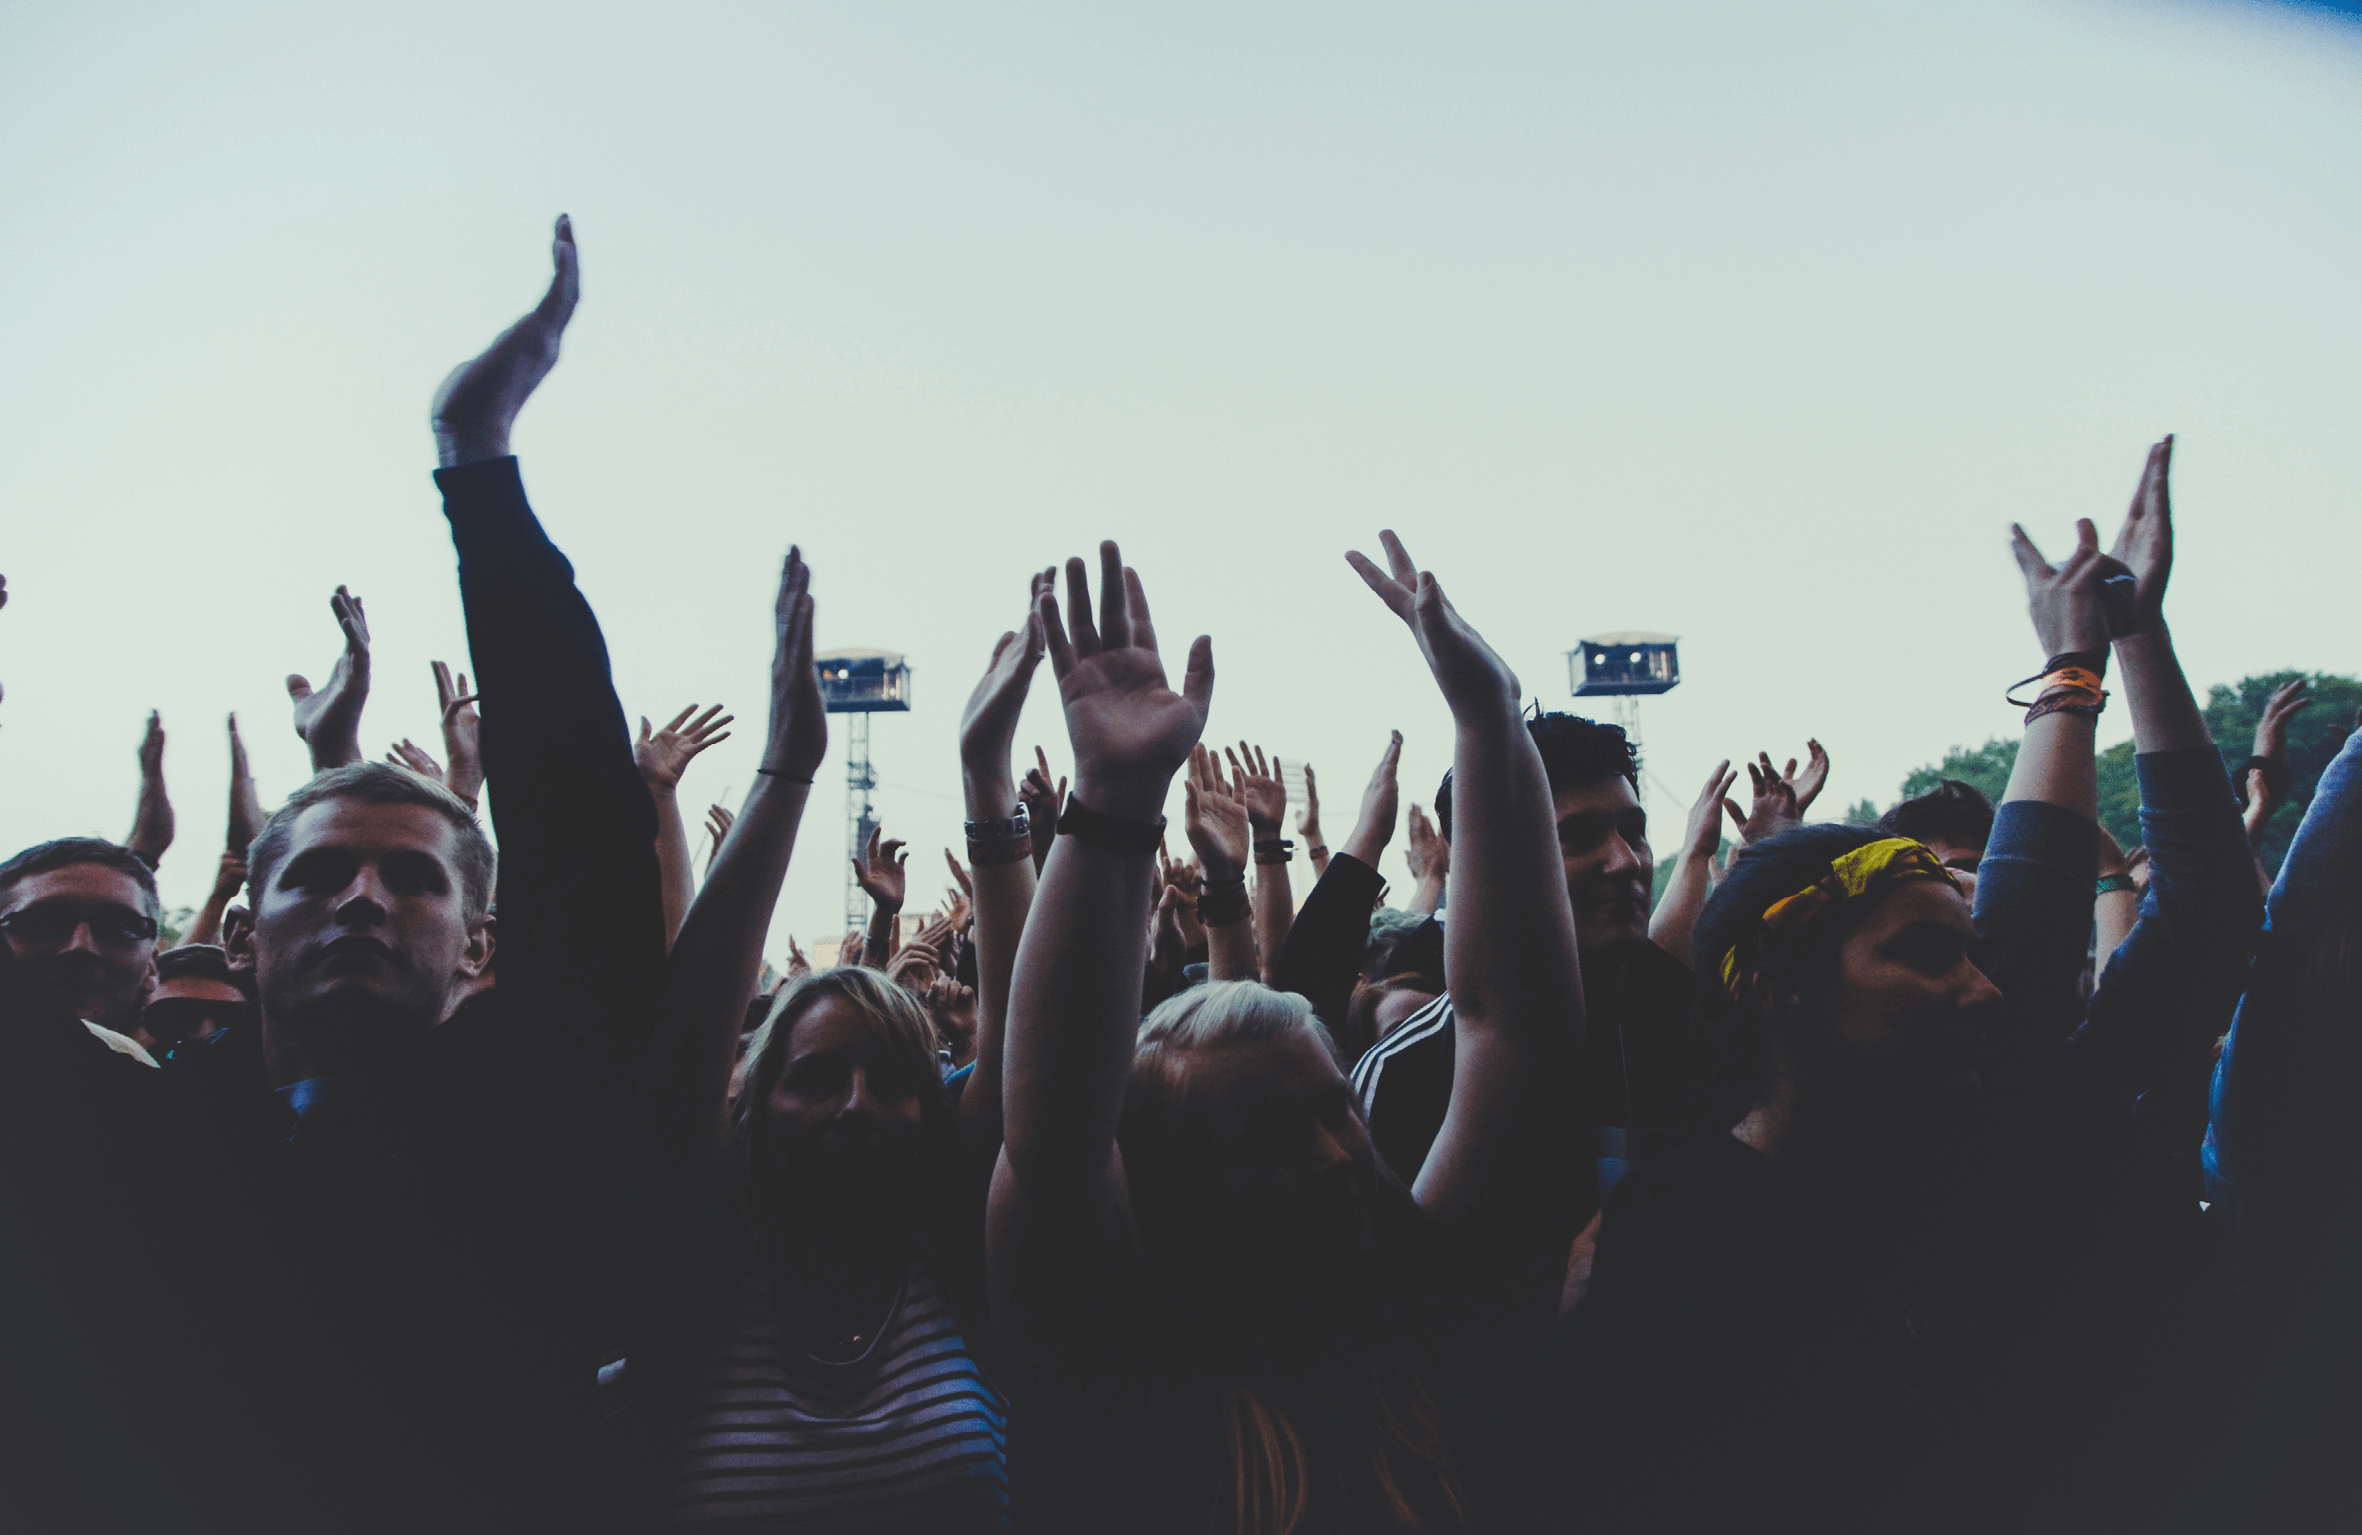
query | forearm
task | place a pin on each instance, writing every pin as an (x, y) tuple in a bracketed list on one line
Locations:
[(207, 926), (1509, 956), (1230, 951), (1274, 911), (673, 867), (1318, 852), (2165, 714), (883, 935), (717, 961), (1074, 1006), (2113, 915), (1003, 897), (1427, 895), (1671, 925)]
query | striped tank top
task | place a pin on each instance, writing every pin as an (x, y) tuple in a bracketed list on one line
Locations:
[(908, 1437)]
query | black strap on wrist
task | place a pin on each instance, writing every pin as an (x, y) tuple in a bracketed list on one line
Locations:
[(1110, 832), (2093, 661), (2275, 771)]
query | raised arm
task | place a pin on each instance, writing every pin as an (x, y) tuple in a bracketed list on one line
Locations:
[(880, 871), (717, 957), (1216, 820), (2171, 987), (1316, 847), (1509, 950), (663, 756), (1676, 917), (2034, 885), (1074, 996), (1324, 950), (151, 821), (1257, 777), (1430, 860), (1000, 879), (581, 918)]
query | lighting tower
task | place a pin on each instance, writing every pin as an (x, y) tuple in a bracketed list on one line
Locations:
[(861, 683), (1626, 667)]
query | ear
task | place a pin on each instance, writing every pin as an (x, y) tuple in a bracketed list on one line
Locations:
[(476, 958), (237, 938)]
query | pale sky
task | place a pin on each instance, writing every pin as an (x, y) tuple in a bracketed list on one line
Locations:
[(1753, 323)]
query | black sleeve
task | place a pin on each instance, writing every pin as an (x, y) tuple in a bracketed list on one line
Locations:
[(1323, 953), (580, 950)]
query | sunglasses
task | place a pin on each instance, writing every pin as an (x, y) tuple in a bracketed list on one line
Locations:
[(183, 1018), (115, 926)]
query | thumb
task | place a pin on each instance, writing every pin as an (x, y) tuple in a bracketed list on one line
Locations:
[(298, 688)]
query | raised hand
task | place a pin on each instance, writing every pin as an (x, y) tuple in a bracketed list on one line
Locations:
[(478, 402), (1429, 856), (881, 871), (246, 815), (664, 755), (1467, 670), (988, 726), (2067, 603), (1216, 818), (718, 821), (1308, 819), (1042, 801), (2144, 545), (407, 754), (462, 734), (797, 964), (229, 878), (1702, 838), (1808, 784), (799, 718), (152, 820), (959, 874), (329, 720), (1774, 807), (2271, 731), (1260, 785), (1129, 729), (1381, 803)]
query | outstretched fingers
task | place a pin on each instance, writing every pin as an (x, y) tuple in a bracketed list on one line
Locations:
[(1115, 619)]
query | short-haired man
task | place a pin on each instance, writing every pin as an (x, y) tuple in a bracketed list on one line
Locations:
[(1649, 1072), (197, 999), (412, 1239), (79, 917)]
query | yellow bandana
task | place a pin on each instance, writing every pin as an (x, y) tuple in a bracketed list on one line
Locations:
[(1872, 866)]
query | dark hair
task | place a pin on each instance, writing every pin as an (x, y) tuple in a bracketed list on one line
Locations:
[(378, 783), (1802, 964), (72, 852), (1952, 811), (1576, 752)]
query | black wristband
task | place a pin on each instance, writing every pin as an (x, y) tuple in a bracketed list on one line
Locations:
[(1110, 832), (2092, 661), (2275, 771), (1223, 902)]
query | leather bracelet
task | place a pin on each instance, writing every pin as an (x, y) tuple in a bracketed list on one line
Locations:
[(1110, 832), (2065, 677), (1223, 902), (1001, 828), (2067, 700), (1274, 850), (2275, 771), (1315, 849), (2108, 884), (988, 854)]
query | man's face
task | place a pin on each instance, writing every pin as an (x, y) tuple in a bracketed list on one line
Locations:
[(364, 926), (1603, 839), (1956, 855), (84, 936), (1911, 1008)]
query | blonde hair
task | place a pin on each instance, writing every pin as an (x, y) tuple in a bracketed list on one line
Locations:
[(1268, 1463)]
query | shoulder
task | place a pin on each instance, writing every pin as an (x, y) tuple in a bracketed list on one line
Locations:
[(1421, 1039)]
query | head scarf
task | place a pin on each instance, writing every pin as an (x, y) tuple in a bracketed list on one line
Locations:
[(1874, 866)]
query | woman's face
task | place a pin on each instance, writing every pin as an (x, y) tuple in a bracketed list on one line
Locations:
[(1910, 1000), (1288, 1170), (843, 1115)]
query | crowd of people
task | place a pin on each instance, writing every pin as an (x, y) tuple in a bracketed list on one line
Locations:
[(1963, 1171)]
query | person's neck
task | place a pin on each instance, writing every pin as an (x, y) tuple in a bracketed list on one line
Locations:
[(340, 1037)]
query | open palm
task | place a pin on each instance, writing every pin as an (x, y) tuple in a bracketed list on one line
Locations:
[(1129, 729)]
